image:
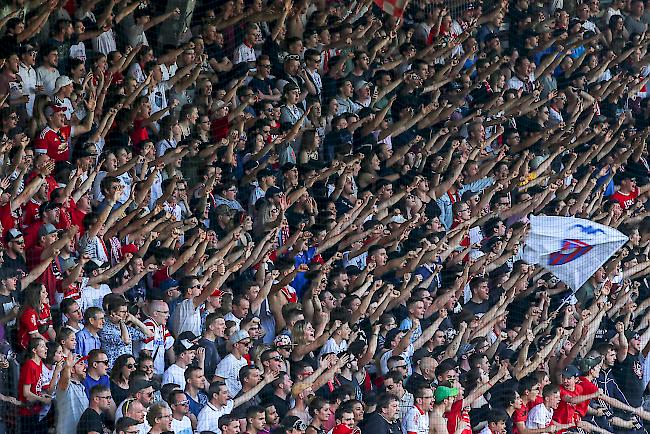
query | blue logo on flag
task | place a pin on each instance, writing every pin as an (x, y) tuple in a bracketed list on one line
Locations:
[(571, 250)]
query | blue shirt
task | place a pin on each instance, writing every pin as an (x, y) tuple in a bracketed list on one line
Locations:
[(86, 342), (89, 383), (300, 281), (196, 407)]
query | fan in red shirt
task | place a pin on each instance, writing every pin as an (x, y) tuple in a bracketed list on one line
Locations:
[(628, 192), (528, 390), (10, 210), (30, 389), (572, 394), (54, 140), (35, 320)]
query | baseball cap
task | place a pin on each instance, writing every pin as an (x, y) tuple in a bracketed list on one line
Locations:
[(67, 264), (12, 234), (589, 362), (420, 354), (632, 334), (571, 371), (48, 206), (94, 264), (8, 273), (185, 345), (168, 284), (217, 293), (137, 385), (272, 191), (46, 229), (62, 81), (444, 392), (360, 84), (282, 341), (239, 336)]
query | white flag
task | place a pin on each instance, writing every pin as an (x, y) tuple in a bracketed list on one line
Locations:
[(570, 248)]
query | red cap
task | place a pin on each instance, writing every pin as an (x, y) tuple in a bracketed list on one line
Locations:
[(216, 293), (129, 248)]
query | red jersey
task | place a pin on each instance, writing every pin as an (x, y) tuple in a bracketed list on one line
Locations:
[(160, 276), (56, 144), (51, 277), (30, 321), (30, 373), (519, 416), (30, 213), (587, 389), (625, 200), (139, 133), (76, 216), (566, 412), (457, 412), (9, 219), (220, 128)]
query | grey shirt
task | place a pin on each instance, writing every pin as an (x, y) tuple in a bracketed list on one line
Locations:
[(635, 26), (70, 405)]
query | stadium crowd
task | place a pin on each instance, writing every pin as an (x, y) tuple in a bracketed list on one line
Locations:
[(308, 217)]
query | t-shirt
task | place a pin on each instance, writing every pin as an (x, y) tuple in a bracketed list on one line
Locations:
[(228, 369), (566, 412), (455, 414), (31, 321), (174, 375), (92, 421), (183, 426), (56, 144), (415, 421), (30, 373), (625, 200), (539, 417), (186, 317), (89, 382), (629, 376), (157, 344), (587, 389)]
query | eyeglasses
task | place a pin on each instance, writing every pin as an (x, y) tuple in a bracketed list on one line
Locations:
[(265, 65), (130, 365), (277, 358), (245, 343), (19, 242), (401, 366), (102, 361), (186, 402)]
